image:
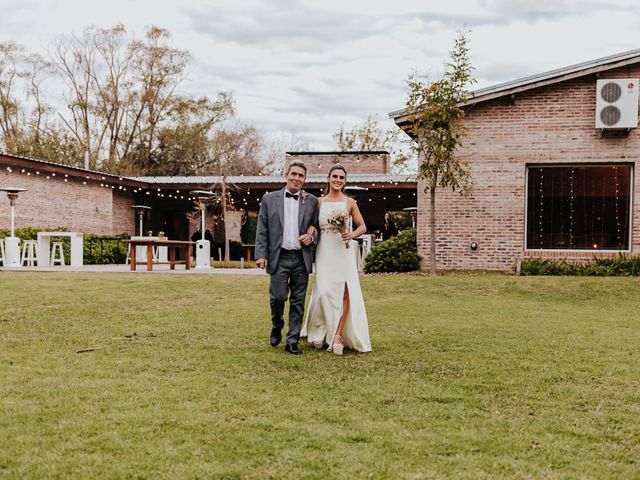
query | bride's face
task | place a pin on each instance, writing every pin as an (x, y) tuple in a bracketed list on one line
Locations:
[(337, 180)]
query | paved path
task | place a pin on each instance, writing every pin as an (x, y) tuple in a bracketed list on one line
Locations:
[(125, 269)]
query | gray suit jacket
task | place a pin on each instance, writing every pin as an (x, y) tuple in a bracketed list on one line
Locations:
[(270, 227)]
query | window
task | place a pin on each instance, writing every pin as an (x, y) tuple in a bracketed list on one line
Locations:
[(580, 207)]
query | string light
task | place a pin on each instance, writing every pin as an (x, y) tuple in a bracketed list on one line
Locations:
[(540, 225), (615, 175), (244, 201), (571, 208)]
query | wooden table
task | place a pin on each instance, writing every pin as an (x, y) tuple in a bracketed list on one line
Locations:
[(171, 245), (248, 248)]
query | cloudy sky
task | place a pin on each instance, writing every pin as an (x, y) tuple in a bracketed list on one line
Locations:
[(302, 68)]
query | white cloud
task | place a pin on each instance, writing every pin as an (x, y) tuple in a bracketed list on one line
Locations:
[(307, 67)]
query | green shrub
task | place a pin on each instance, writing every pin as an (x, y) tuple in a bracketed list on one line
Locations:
[(620, 266), (248, 233), (105, 249), (29, 233), (97, 249), (398, 254)]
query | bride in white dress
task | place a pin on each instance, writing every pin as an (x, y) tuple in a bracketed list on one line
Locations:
[(336, 315)]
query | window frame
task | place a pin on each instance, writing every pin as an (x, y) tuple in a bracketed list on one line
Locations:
[(579, 164)]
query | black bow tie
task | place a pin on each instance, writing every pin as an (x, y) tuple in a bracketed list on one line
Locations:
[(291, 195)]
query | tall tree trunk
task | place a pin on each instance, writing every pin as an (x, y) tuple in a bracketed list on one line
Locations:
[(432, 236)]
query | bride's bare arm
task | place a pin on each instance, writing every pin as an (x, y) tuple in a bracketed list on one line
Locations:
[(354, 211)]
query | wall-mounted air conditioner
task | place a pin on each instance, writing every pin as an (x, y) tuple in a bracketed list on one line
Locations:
[(617, 103)]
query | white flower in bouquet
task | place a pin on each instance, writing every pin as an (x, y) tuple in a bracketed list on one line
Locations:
[(339, 221)]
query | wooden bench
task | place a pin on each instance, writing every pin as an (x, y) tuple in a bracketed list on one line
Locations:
[(171, 245)]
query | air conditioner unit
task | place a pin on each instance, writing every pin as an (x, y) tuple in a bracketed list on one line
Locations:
[(617, 103)]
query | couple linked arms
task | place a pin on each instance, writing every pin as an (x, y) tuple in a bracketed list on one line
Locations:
[(354, 211), (262, 234)]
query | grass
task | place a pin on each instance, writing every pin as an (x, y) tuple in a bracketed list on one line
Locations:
[(234, 264), (472, 376)]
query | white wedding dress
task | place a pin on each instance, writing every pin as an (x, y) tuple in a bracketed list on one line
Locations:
[(335, 268)]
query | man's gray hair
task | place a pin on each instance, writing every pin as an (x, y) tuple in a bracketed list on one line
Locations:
[(297, 163)]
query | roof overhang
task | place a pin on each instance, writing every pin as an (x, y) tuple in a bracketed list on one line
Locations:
[(278, 181), (593, 67), (262, 182), (19, 163)]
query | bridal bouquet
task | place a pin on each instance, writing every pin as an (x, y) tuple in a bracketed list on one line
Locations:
[(339, 221)]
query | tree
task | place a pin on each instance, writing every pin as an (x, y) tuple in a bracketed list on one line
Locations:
[(119, 91), (435, 123), (11, 58), (366, 136), (183, 144), (234, 152), (158, 70), (26, 126), (370, 136)]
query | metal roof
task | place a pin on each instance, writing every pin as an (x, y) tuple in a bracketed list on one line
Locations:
[(545, 78), (209, 179), (341, 152), (260, 179)]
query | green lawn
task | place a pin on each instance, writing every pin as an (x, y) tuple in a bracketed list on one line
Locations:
[(471, 376)]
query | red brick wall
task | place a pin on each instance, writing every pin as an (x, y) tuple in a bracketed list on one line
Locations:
[(124, 217), (554, 124), (354, 163), (54, 203)]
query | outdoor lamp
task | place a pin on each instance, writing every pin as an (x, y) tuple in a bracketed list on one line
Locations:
[(473, 245)]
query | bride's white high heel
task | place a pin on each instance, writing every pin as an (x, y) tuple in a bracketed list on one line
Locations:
[(317, 344), (337, 348)]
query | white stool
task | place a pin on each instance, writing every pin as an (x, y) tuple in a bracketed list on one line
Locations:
[(29, 252), (2, 251), (57, 246)]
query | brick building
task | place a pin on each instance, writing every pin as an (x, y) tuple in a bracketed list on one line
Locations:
[(319, 163), (553, 176)]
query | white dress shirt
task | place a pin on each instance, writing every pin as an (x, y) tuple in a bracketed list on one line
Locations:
[(290, 231)]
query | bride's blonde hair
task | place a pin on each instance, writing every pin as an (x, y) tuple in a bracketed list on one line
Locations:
[(337, 166)]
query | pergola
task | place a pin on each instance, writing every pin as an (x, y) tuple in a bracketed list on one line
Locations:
[(375, 194)]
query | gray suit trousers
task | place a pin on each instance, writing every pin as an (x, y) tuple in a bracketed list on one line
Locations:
[(290, 276)]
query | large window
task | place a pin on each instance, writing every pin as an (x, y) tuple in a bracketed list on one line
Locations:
[(578, 207)]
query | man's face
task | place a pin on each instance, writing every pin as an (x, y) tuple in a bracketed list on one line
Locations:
[(295, 179)]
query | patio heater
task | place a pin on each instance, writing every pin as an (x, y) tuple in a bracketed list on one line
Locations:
[(413, 211), (140, 211), (203, 247), (12, 244)]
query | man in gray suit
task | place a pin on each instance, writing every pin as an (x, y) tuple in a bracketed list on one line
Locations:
[(285, 249)]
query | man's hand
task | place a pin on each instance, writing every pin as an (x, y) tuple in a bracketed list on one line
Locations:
[(306, 239), (262, 263), (311, 230)]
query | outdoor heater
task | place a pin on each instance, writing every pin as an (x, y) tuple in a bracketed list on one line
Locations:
[(12, 244), (203, 247), (140, 211), (413, 211)]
